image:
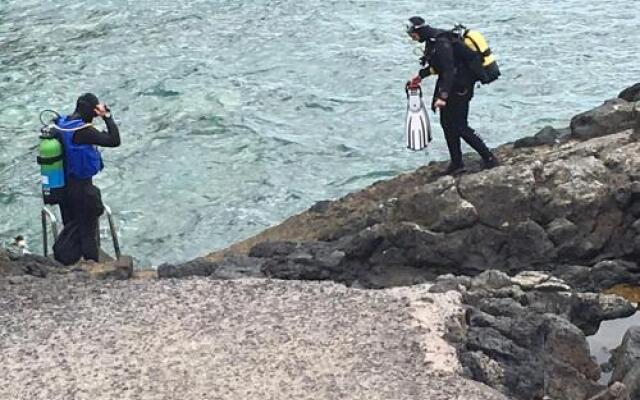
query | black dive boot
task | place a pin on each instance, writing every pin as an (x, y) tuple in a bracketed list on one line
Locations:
[(454, 169), (490, 162)]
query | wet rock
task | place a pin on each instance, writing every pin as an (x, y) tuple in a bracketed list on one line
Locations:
[(632, 382), (320, 207), (504, 344), (631, 93), (537, 334), (613, 116), (627, 356), (585, 310), (589, 309), (547, 136), (567, 344)]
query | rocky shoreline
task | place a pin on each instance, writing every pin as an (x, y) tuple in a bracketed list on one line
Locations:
[(529, 249)]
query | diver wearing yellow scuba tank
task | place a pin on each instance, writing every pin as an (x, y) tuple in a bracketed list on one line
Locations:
[(458, 68)]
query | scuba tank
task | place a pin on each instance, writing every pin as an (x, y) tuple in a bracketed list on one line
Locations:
[(474, 40), (51, 161)]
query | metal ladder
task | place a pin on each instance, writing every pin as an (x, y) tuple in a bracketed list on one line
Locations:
[(48, 217)]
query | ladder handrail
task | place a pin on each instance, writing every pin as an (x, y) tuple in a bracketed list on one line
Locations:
[(44, 214), (113, 230)]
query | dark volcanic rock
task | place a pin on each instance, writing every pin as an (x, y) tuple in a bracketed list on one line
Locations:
[(28, 264), (631, 93), (547, 136), (601, 276), (570, 372), (197, 267), (588, 310), (237, 267), (613, 116), (537, 334), (617, 391), (627, 356), (234, 267), (490, 279), (445, 283), (497, 355), (303, 261), (632, 382)]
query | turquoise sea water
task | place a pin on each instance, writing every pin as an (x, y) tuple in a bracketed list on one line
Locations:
[(235, 115)]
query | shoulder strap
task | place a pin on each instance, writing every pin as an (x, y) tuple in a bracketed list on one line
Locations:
[(72, 129)]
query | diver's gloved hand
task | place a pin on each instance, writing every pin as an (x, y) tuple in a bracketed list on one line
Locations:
[(102, 110), (414, 82), (424, 60), (438, 103)]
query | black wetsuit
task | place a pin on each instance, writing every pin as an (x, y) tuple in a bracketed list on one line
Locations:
[(82, 202), (451, 60)]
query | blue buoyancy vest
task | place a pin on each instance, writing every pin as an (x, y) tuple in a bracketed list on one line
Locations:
[(81, 161)]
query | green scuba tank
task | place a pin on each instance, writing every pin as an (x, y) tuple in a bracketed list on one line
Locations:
[(51, 161)]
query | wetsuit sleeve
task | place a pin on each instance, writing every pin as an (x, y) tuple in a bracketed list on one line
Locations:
[(426, 67), (424, 72), (90, 135), (443, 63)]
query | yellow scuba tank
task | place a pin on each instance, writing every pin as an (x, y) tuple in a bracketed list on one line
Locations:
[(485, 66), (477, 42)]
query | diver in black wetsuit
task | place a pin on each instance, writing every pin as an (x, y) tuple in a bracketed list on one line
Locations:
[(82, 204), (454, 89)]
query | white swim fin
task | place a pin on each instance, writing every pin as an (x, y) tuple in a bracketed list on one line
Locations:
[(417, 126)]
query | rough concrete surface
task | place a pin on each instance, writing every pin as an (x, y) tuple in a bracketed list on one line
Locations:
[(70, 338)]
